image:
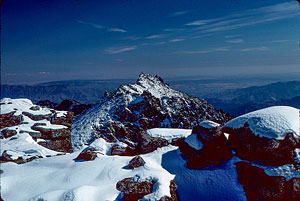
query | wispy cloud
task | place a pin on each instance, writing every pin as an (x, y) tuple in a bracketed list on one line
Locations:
[(169, 30), (248, 18), (99, 26), (176, 40), (281, 41), (156, 36), (116, 30), (262, 48), (118, 50), (175, 14), (205, 51), (235, 41)]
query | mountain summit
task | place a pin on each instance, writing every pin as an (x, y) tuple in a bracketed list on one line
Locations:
[(150, 103)]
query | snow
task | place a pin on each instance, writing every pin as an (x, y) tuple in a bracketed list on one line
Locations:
[(212, 183), (297, 155), (272, 122), (194, 142), (208, 124), (23, 145), (169, 133), (61, 178), (21, 105), (288, 171)]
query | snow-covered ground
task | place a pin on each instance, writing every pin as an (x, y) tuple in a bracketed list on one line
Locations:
[(169, 133), (272, 122), (212, 183), (61, 178)]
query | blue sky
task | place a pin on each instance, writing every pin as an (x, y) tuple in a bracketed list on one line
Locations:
[(45, 40)]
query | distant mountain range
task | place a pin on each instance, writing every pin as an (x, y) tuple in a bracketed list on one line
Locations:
[(224, 94), (248, 99)]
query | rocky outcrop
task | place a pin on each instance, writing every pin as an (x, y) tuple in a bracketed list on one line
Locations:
[(261, 187), (9, 119), (53, 132), (214, 148), (147, 143), (136, 162), (134, 190), (88, 154), (11, 156), (131, 109), (254, 148), (117, 149), (66, 105)]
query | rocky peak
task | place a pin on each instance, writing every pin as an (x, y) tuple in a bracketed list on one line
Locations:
[(148, 80), (133, 108)]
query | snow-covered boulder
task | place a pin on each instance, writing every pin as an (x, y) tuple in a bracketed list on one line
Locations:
[(269, 135), (272, 122), (136, 162), (207, 145), (260, 186), (29, 131)]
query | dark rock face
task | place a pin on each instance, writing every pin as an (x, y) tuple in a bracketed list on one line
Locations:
[(73, 106), (8, 133), (6, 157), (261, 187), (47, 103), (150, 103), (133, 190), (9, 119), (66, 105), (88, 154), (147, 143), (136, 162), (254, 148), (215, 149)]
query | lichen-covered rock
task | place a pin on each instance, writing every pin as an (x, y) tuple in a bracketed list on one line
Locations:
[(261, 187), (134, 190), (136, 162)]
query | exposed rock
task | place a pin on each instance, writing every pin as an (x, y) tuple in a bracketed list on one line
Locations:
[(9, 119), (136, 162), (47, 103), (147, 144), (214, 151), (261, 187), (8, 133), (133, 190), (35, 108), (88, 154), (37, 117), (131, 109), (8, 156), (254, 148), (73, 106), (58, 144), (122, 150)]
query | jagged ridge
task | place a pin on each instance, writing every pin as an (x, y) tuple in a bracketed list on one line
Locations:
[(149, 103)]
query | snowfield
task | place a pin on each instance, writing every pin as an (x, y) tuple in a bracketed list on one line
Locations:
[(61, 178), (272, 122), (169, 133)]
